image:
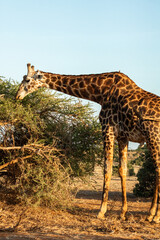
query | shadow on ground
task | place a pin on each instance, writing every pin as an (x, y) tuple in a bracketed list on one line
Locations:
[(113, 195), (52, 236)]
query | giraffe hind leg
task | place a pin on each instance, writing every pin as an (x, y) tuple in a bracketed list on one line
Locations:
[(153, 209), (153, 142), (123, 147), (156, 217)]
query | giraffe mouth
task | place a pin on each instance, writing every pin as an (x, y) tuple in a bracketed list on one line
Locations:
[(19, 96)]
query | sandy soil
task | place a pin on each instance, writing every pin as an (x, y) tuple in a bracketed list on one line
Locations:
[(80, 222)]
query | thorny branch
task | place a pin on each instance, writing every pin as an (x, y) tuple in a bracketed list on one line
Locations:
[(38, 149), (14, 161)]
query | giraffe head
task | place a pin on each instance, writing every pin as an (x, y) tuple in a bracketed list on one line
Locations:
[(31, 82)]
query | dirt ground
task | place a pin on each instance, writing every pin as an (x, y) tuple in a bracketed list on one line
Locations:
[(81, 222)]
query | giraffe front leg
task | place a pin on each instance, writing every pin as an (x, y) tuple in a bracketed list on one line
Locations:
[(108, 150), (123, 147), (155, 208)]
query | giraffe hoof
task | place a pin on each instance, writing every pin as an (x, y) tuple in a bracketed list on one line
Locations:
[(156, 219), (123, 217), (100, 215), (149, 218)]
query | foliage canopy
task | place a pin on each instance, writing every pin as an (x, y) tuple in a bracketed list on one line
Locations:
[(49, 139)]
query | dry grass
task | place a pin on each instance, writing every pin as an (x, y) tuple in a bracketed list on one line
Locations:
[(80, 221)]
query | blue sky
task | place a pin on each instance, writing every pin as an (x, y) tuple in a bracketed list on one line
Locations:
[(82, 36)]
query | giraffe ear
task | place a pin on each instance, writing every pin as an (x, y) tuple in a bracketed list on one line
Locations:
[(24, 77), (39, 75)]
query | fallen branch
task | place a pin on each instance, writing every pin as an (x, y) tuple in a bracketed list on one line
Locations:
[(38, 149), (10, 148), (15, 161), (32, 147), (27, 147)]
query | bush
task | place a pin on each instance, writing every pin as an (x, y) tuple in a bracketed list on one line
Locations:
[(130, 169), (146, 175), (48, 140)]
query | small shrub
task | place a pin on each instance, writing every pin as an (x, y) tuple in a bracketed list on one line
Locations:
[(131, 172), (130, 169), (115, 171), (44, 183), (146, 176)]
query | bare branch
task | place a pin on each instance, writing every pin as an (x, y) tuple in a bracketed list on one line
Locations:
[(4, 123), (14, 161), (10, 148), (32, 147)]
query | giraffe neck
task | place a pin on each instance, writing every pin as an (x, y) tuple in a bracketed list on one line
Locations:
[(92, 87)]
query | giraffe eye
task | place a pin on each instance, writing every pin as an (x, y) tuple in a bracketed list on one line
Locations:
[(39, 76), (27, 80)]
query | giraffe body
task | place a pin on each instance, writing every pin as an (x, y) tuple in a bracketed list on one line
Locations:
[(128, 113)]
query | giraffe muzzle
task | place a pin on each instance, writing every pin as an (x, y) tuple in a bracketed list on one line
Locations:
[(19, 96)]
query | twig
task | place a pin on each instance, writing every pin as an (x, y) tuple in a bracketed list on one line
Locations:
[(4, 123), (10, 148), (8, 123)]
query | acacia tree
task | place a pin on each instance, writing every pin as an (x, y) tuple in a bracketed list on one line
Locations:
[(47, 139)]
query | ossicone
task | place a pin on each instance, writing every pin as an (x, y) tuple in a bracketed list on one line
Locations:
[(30, 68)]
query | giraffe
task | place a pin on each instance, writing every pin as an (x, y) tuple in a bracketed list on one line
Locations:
[(128, 113)]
